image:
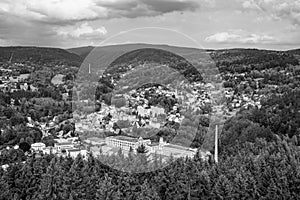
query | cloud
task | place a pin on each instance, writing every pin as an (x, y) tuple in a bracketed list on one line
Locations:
[(278, 9), (4, 42), (68, 11), (53, 11), (82, 31), (250, 5), (239, 36), (166, 6)]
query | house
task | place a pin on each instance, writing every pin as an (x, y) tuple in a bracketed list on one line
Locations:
[(95, 141), (142, 111), (64, 145), (155, 111), (75, 152), (38, 146), (49, 150), (155, 147), (154, 124)]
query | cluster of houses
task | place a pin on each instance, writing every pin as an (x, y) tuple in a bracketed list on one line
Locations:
[(138, 112), (49, 127), (243, 99), (62, 147), (11, 82)]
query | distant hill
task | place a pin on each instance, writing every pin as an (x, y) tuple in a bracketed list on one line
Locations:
[(39, 55), (294, 51), (118, 49), (117, 58), (154, 56), (81, 51), (101, 57), (235, 56), (253, 56)]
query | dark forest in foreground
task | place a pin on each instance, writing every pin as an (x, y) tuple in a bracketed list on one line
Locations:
[(257, 170)]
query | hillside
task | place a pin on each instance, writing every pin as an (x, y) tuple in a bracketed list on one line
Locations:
[(81, 51), (39, 55), (84, 51), (294, 51), (154, 56), (235, 59), (253, 56)]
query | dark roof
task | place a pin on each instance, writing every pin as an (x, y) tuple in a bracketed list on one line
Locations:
[(73, 150)]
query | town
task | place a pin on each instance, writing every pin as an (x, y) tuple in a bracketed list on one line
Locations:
[(136, 117)]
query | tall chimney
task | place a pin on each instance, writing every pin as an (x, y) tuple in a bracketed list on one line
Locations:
[(216, 144)]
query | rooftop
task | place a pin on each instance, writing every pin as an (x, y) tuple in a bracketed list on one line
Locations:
[(63, 144), (73, 150), (96, 139), (125, 138), (173, 146)]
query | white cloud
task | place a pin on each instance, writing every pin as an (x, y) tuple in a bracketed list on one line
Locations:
[(53, 10), (84, 30), (277, 9), (222, 37), (6, 42), (250, 4), (239, 36), (67, 11)]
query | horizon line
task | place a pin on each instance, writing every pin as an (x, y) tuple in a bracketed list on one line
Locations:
[(123, 44)]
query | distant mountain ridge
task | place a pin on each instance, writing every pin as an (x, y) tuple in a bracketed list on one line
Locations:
[(85, 50), (76, 56), (39, 55)]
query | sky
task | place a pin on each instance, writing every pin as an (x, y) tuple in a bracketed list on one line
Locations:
[(209, 24)]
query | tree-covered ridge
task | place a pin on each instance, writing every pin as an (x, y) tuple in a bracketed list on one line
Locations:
[(150, 55), (39, 55), (245, 60), (259, 170)]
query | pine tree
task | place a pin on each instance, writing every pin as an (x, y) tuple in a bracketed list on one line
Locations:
[(147, 192)]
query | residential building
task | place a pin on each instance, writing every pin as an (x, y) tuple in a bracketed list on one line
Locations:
[(125, 142), (38, 146)]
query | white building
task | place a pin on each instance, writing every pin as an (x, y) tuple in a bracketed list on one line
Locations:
[(125, 142), (38, 146), (155, 111), (142, 111), (64, 145), (75, 152)]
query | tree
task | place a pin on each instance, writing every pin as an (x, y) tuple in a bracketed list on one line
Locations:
[(142, 149), (24, 146)]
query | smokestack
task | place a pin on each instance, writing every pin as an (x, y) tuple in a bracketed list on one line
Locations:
[(216, 144), (89, 68)]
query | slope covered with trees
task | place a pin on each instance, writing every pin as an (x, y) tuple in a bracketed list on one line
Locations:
[(259, 170), (39, 55)]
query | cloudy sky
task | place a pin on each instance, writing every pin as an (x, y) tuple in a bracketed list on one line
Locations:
[(271, 24)]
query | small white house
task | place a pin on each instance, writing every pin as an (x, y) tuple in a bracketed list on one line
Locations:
[(64, 145), (38, 146), (75, 152)]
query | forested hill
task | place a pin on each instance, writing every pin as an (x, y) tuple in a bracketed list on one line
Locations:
[(39, 55), (246, 60), (81, 51), (294, 51), (237, 56), (157, 56), (254, 56)]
